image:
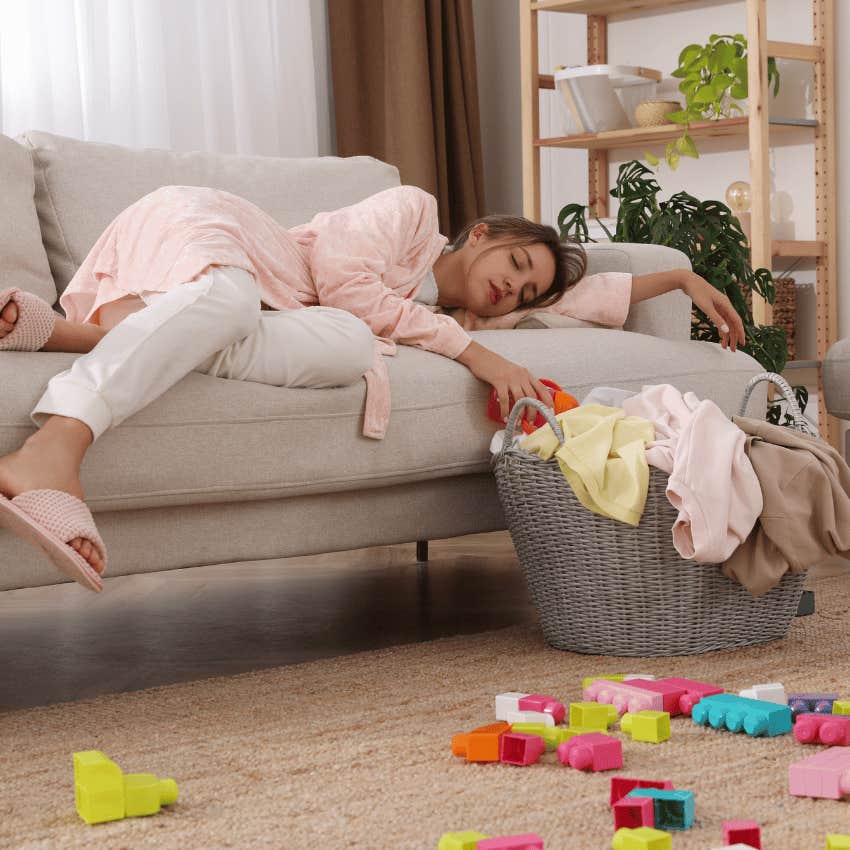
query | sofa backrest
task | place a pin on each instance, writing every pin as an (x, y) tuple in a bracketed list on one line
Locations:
[(82, 186), (23, 261)]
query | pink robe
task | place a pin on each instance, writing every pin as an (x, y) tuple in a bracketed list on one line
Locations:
[(368, 258)]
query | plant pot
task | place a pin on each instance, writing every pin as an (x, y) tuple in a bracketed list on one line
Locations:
[(653, 113)]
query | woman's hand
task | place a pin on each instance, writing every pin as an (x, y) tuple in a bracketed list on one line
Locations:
[(510, 380), (718, 308)]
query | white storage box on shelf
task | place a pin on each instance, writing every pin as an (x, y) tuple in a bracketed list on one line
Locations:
[(602, 97)]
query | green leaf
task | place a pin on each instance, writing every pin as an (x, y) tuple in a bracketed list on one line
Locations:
[(738, 91), (705, 94), (673, 160), (689, 53), (685, 145), (681, 116), (651, 158), (733, 107)]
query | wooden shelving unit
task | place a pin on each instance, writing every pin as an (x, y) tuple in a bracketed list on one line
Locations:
[(756, 128)]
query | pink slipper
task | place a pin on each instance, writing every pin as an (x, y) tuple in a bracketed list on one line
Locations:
[(35, 322), (48, 519)]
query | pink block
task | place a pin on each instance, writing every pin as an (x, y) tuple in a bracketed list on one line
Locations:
[(825, 774), (529, 841), (520, 748), (671, 693), (832, 729), (624, 696), (621, 785), (632, 812), (742, 832), (694, 692), (546, 704), (592, 751)]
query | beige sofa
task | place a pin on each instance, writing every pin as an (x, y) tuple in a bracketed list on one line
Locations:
[(220, 471)]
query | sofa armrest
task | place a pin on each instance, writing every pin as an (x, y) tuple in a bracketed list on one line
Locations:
[(666, 316)]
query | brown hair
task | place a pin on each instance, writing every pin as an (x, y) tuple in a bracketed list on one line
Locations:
[(570, 258)]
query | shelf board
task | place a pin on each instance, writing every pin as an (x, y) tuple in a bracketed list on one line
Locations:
[(636, 136), (607, 7), (798, 248)]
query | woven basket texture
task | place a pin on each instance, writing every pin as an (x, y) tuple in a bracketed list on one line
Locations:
[(784, 311), (653, 113), (606, 588)]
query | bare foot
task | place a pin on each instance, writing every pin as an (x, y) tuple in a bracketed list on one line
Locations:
[(8, 317), (37, 467)]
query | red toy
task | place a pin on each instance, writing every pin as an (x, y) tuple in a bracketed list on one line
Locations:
[(621, 785), (694, 692), (561, 400), (632, 812), (519, 748), (829, 729), (671, 693), (742, 832), (591, 751)]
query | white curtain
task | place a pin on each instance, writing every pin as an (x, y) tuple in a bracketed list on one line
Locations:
[(232, 76)]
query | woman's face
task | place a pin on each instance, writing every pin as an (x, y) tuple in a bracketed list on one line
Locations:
[(502, 280)]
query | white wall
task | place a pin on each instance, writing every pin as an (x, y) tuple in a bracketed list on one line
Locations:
[(655, 41)]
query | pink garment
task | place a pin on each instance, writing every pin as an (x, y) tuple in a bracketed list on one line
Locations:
[(368, 258), (712, 482)]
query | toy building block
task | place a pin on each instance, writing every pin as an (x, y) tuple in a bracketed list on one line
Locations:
[(481, 744), (828, 729), (621, 785), (841, 706), (592, 716), (460, 840), (755, 717), (642, 838), (733, 847), (746, 832), (593, 751), (811, 702), (825, 774), (837, 842), (528, 841), (98, 787), (521, 749), (515, 701), (673, 809), (671, 693), (529, 717), (587, 681), (650, 726), (647, 676), (103, 793), (694, 691), (632, 812), (624, 696), (771, 692), (552, 735)]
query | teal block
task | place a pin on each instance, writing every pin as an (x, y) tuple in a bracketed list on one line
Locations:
[(753, 716), (673, 809)]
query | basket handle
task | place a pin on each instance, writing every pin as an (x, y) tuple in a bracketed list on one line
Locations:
[(800, 421), (510, 427)]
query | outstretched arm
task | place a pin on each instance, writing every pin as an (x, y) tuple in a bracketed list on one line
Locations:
[(711, 301)]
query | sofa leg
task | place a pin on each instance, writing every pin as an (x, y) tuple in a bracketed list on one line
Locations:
[(421, 551)]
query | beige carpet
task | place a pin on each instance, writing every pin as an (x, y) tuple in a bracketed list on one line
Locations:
[(355, 752)]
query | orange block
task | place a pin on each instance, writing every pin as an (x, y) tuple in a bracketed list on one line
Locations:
[(481, 744), (564, 401)]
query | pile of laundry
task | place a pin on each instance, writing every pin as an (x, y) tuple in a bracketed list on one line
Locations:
[(758, 498)]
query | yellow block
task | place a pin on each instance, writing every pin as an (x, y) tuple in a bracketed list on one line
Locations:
[(98, 787), (144, 793), (642, 838), (838, 842), (841, 707), (593, 716), (650, 726), (460, 840), (588, 680)]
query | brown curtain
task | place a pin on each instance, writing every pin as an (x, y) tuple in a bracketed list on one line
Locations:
[(406, 91)]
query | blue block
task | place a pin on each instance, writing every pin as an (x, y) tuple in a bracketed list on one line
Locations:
[(753, 716), (673, 809)]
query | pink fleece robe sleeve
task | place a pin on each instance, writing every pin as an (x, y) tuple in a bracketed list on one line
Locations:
[(602, 298), (354, 248)]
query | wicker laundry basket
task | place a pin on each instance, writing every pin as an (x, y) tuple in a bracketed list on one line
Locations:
[(606, 588)]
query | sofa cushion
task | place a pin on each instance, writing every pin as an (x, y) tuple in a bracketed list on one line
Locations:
[(215, 440), (24, 262), (836, 379), (82, 186)]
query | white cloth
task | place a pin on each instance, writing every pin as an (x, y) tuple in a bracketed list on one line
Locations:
[(427, 292), (712, 483), (608, 396), (214, 325), (499, 438)]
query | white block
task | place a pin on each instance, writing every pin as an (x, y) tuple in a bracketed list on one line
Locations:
[(530, 717), (647, 676), (507, 702), (771, 692), (734, 846)]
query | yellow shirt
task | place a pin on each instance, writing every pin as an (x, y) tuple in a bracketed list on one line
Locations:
[(603, 458)]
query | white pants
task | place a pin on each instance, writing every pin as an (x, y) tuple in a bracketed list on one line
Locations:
[(212, 324)]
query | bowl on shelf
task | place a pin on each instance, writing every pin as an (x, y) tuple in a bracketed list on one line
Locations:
[(652, 113)]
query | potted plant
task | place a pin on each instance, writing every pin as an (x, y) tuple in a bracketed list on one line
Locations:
[(711, 236), (713, 80)]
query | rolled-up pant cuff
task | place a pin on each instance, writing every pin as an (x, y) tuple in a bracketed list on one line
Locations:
[(65, 397)]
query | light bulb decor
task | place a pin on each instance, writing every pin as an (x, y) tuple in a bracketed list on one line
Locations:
[(738, 200)]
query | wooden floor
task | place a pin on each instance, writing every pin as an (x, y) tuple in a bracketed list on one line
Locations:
[(63, 643)]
